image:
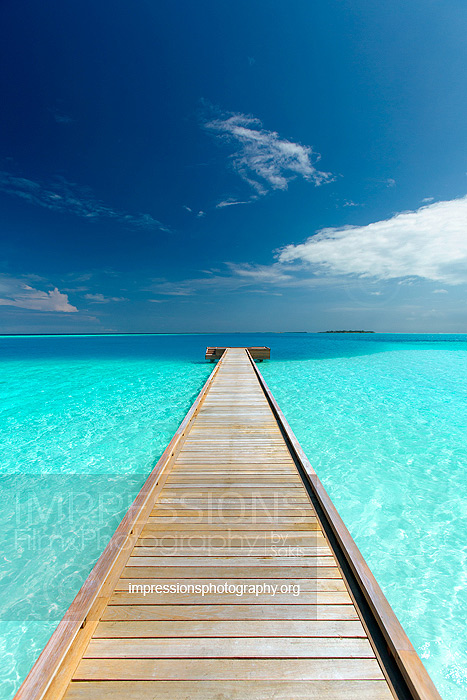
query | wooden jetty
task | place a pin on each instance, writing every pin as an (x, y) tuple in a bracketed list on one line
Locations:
[(233, 502)]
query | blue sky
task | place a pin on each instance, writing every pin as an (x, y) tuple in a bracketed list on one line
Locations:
[(247, 166)]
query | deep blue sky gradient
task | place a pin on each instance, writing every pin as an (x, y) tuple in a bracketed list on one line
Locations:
[(113, 97)]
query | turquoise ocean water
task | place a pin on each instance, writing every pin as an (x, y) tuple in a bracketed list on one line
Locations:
[(383, 419)]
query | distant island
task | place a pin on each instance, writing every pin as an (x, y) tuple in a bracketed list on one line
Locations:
[(346, 331)]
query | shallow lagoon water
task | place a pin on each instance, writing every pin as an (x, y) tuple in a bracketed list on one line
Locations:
[(383, 419)]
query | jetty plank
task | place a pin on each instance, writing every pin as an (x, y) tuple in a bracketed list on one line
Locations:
[(226, 611), (230, 628), (234, 690), (228, 669), (229, 647)]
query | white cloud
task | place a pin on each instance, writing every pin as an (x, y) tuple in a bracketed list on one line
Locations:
[(199, 214), (427, 200), (271, 274), (75, 290), (101, 299), (70, 198), (430, 243), (230, 202), (242, 277), (16, 292), (440, 291), (236, 276), (184, 288), (262, 158)]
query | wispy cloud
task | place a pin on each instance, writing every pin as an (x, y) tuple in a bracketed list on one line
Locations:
[(182, 288), (16, 292), (199, 214), (101, 299), (239, 277), (234, 277), (262, 158), (230, 202), (271, 274), (70, 198), (62, 118), (429, 243)]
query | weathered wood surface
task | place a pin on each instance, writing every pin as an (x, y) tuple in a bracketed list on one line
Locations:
[(226, 507), (231, 690)]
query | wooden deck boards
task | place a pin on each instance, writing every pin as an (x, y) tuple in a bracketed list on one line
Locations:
[(232, 498)]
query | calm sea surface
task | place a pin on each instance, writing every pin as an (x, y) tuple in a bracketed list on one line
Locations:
[(382, 418)]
